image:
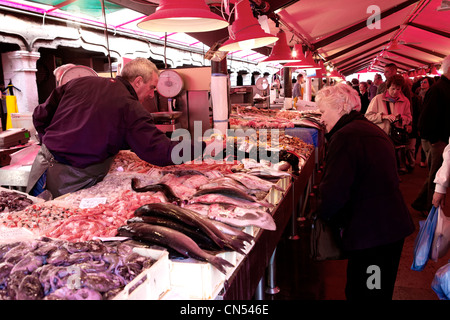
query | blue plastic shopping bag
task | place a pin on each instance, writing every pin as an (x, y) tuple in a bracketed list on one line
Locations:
[(441, 282), (424, 240)]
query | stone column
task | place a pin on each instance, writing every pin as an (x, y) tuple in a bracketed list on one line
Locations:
[(19, 67)]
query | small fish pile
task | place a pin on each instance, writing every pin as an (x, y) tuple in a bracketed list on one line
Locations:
[(37, 217), (13, 201), (128, 161), (185, 232), (47, 269), (100, 221)]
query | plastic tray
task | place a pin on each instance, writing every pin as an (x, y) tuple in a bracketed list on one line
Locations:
[(152, 283)]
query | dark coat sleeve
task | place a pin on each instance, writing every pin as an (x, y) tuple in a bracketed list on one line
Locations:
[(43, 113), (337, 181)]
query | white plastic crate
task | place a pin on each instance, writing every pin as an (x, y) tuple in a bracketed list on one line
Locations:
[(152, 283), (196, 280)]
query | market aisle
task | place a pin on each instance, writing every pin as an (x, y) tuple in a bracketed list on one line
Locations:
[(300, 278)]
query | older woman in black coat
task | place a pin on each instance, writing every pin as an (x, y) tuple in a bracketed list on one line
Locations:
[(360, 195)]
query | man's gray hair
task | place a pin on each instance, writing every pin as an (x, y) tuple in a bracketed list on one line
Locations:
[(139, 67)]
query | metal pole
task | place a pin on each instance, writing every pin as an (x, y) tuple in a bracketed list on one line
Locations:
[(271, 274), (107, 38), (259, 293)]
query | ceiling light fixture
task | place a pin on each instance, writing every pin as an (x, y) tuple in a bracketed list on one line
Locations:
[(434, 72), (281, 52), (394, 46), (183, 16), (246, 32), (306, 63)]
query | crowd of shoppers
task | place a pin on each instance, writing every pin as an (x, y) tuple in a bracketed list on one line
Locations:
[(360, 184)]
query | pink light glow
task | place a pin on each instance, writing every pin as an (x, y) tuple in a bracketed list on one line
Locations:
[(122, 24)]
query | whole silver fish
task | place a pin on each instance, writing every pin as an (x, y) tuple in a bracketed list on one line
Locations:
[(222, 199), (242, 217), (225, 228), (233, 193), (192, 218), (173, 239), (254, 182)]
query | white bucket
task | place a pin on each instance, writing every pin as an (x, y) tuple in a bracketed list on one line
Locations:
[(24, 120)]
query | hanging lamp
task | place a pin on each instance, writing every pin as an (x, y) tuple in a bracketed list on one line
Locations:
[(335, 74), (182, 16), (433, 71), (281, 52), (306, 63), (322, 72), (394, 46), (246, 32), (299, 56)]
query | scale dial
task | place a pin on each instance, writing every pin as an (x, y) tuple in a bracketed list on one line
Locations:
[(262, 83), (170, 83), (76, 72)]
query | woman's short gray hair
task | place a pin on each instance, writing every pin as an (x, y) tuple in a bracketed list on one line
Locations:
[(341, 96), (446, 64), (139, 67)]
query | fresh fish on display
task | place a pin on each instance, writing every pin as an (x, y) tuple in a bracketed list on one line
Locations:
[(242, 217), (202, 240), (219, 198), (192, 218), (173, 239), (187, 172), (196, 181), (269, 174), (281, 166), (232, 183), (180, 185), (203, 209), (168, 192), (254, 182), (226, 182), (310, 122), (233, 193)]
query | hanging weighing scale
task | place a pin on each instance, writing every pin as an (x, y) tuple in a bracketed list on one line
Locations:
[(169, 86), (262, 84), (76, 72)]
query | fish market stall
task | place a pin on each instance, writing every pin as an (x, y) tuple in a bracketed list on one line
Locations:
[(250, 273), (303, 124), (96, 235)]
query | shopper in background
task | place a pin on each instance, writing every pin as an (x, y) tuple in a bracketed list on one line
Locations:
[(442, 179), (422, 86), (84, 123), (355, 84), (297, 91), (359, 194), (377, 80), (434, 126), (400, 110), (389, 70), (364, 96)]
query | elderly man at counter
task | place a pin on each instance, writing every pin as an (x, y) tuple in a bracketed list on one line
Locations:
[(86, 122), (360, 194)]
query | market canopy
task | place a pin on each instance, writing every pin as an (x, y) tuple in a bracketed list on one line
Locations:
[(349, 35)]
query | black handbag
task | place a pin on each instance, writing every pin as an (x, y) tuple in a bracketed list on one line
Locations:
[(325, 242), (398, 134)]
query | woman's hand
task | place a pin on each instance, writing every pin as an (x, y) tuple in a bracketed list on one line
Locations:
[(438, 199), (389, 117)]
